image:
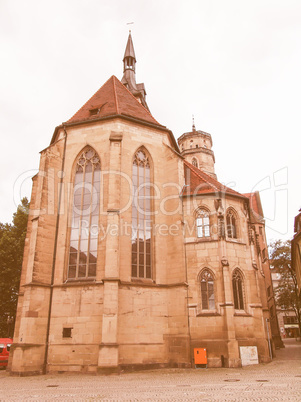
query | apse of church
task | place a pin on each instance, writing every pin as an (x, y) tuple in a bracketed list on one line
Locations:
[(135, 254)]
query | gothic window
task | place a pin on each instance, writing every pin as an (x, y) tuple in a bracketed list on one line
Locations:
[(141, 217), (195, 162), (231, 225), (207, 290), (202, 223), (85, 213), (238, 290)]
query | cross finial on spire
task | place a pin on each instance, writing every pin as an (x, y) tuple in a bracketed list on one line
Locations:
[(129, 23), (193, 125)]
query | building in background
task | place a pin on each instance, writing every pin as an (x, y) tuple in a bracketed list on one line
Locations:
[(287, 319), (135, 253), (296, 250)]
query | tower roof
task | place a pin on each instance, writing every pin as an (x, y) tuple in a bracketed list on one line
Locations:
[(113, 99), (129, 50)]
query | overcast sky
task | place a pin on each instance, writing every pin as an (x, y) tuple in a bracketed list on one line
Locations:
[(234, 64)]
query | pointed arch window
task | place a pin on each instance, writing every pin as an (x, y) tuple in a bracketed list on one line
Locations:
[(231, 225), (195, 162), (238, 290), (141, 217), (203, 223), (85, 214), (207, 290)]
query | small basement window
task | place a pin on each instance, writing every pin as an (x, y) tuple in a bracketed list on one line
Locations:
[(67, 332)]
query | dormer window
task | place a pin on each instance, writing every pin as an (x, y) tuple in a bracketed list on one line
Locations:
[(94, 111)]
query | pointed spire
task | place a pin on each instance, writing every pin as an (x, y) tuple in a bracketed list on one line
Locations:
[(129, 73), (129, 53)]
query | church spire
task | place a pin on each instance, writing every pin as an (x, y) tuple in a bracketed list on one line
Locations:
[(129, 59), (129, 73)]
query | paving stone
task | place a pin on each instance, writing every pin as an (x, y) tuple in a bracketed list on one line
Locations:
[(279, 380)]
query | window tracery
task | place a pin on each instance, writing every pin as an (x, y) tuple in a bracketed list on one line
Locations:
[(85, 214), (207, 290), (141, 217), (194, 162), (231, 222), (238, 290), (203, 223)]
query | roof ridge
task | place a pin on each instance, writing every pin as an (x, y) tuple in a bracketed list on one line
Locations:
[(197, 173), (211, 180), (115, 94), (138, 101)]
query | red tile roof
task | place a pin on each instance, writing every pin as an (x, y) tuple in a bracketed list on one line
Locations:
[(113, 99), (198, 182)]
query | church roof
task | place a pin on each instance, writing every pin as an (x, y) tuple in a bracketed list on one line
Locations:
[(199, 182), (113, 99)]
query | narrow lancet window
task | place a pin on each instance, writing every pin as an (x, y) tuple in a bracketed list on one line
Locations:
[(141, 217), (85, 214), (207, 290), (231, 225), (238, 290)]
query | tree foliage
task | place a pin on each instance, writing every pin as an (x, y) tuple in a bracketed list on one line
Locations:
[(287, 290), (12, 239)]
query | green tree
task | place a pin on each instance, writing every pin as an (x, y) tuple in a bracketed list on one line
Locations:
[(287, 290), (12, 239)]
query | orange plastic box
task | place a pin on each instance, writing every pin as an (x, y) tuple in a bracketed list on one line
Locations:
[(200, 356)]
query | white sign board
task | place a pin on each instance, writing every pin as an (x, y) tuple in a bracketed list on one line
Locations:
[(248, 355)]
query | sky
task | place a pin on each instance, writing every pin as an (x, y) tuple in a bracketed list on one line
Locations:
[(235, 65)]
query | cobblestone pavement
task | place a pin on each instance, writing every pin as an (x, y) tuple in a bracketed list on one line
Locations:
[(279, 380)]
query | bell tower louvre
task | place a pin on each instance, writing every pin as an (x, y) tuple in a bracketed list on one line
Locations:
[(135, 254)]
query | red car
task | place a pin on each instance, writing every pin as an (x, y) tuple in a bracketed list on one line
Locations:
[(5, 344)]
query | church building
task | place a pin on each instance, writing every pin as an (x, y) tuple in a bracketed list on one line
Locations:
[(135, 253)]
